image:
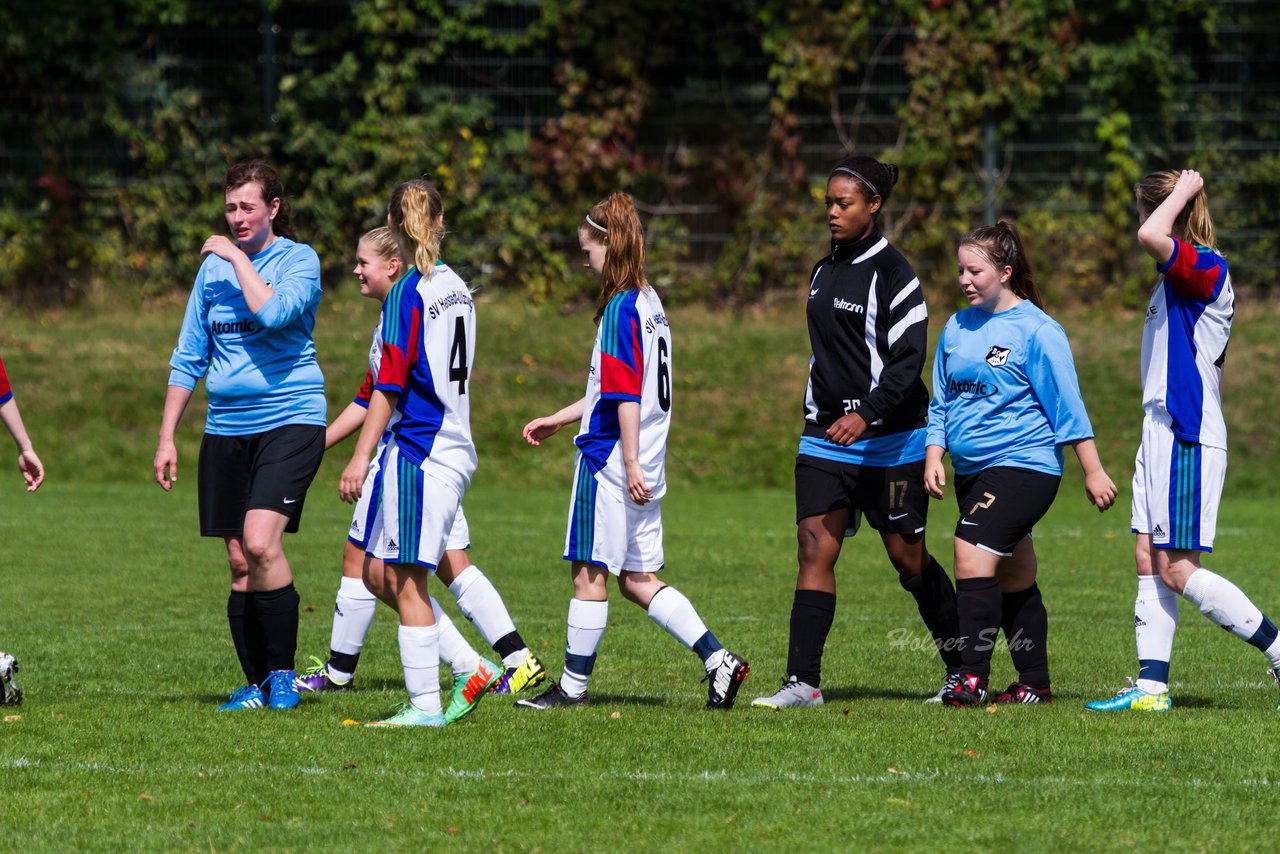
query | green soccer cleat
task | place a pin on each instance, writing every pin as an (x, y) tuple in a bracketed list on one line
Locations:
[(469, 690), (1134, 699), (410, 715)]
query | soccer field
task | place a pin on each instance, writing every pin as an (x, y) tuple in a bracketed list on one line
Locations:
[(115, 609)]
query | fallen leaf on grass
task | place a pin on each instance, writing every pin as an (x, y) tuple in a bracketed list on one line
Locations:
[(900, 802), (616, 715), (11, 719), (992, 709), (349, 722), (894, 771), (350, 766), (145, 796), (971, 753), (452, 830)]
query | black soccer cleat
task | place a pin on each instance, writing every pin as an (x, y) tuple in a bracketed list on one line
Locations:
[(726, 673), (970, 691), (1024, 694), (552, 698)]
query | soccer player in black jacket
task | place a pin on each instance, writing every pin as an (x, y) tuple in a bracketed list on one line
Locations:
[(863, 446)]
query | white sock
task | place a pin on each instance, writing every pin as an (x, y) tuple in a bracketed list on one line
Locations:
[(454, 649), (420, 657), (1223, 603), (1155, 620), (480, 603), (673, 611), (353, 611), (586, 625), (515, 658)]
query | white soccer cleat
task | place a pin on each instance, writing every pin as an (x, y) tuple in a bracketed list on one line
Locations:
[(793, 694), (10, 693)]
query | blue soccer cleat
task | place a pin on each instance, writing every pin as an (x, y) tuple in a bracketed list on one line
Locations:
[(248, 697), (281, 685), (1133, 699)]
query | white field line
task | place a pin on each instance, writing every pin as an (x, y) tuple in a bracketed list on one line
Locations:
[(891, 778)]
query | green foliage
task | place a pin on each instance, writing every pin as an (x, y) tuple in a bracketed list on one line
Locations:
[(116, 144)]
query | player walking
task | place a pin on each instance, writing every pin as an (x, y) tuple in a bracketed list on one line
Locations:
[(378, 266), (862, 450), (248, 331), (1182, 460), (33, 474), (419, 411), (1005, 401), (615, 514)]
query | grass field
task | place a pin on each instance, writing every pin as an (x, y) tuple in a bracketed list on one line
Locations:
[(115, 610)]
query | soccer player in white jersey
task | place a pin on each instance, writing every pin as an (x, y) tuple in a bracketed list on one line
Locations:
[(419, 412), (378, 266), (1182, 460), (615, 516), (33, 475)]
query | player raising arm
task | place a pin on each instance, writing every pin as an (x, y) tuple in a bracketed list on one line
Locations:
[(1182, 458)]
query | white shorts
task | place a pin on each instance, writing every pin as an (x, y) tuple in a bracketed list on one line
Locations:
[(412, 510), (608, 529), (1177, 487), (362, 519)]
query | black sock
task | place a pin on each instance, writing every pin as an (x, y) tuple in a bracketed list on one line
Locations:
[(812, 613), (508, 643), (1026, 630), (936, 601), (278, 617), (237, 607), (978, 603), (343, 662)]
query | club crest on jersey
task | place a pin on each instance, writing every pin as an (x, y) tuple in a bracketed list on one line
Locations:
[(997, 357)]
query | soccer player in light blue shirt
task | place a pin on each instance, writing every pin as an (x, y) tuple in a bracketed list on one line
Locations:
[(247, 330), (1005, 401)]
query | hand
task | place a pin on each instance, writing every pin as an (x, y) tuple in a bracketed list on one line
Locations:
[(222, 247), (32, 470), (540, 428), (847, 429), (1189, 183), (636, 487), (352, 482), (166, 464), (935, 477), (1099, 488)]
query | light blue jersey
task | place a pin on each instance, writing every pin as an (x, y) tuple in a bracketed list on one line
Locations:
[(1005, 391), (260, 368)]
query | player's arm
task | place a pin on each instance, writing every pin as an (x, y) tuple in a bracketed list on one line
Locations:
[(166, 459), (1097, 485), (629, 434), (542, 428), (381, 405), (28, 462), (935, 475), (1155, 234), (347, 422)]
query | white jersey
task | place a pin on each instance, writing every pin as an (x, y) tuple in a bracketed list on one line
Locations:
[(631, 361), (1184, 345), (427, 349)]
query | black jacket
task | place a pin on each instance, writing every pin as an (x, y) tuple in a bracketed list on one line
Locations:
[(868, 327)]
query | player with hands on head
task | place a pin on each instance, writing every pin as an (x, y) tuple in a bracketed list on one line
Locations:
[(1182, 458), (861, 452), (248, 331), (615, 510), (1005, 402)]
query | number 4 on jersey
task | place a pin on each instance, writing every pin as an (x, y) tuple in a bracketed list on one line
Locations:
[(458, 371)]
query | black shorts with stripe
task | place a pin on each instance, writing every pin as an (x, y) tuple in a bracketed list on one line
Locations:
[(892, 498), (999, 506), (270, 471)]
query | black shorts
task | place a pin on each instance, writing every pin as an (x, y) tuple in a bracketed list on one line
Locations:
[(892, 498), (999, 506), (270, 470)]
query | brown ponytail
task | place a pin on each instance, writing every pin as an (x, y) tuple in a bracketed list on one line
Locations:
[(615, 223), (1002, 246), (258, 172)]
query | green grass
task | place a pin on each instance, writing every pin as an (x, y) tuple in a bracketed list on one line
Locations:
[(115, 609)]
